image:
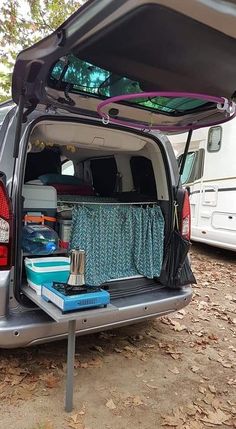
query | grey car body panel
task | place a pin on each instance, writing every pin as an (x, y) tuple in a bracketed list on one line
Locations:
[(34, 327), (4, 292)]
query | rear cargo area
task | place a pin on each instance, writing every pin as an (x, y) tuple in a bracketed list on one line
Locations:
[(100, 190)]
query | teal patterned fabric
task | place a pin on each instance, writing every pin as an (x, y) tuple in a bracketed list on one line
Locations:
[(119, 241)]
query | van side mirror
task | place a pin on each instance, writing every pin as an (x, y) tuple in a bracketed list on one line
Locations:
[(3, 177)]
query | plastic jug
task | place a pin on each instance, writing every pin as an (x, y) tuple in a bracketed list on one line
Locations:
[(39, 240)]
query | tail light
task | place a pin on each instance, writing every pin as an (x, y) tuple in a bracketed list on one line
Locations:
[(186, 217), (5, 228)]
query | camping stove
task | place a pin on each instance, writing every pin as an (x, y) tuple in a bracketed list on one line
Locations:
[(75, 295)]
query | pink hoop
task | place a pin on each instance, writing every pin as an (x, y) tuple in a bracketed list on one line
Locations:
[(222, 104)]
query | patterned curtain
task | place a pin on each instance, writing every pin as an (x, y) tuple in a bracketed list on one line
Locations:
[(119, 240)]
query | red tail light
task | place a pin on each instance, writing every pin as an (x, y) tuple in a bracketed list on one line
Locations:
[(5, 228), (186, 218)]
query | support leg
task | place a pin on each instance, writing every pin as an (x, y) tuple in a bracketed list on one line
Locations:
[(70, 366)]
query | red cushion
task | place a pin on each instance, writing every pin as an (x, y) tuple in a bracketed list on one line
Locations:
[(63, 189)]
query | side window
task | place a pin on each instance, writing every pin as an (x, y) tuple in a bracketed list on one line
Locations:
[(104, 174), (214, 139), (67, 168), (143, 176), (188, 168)]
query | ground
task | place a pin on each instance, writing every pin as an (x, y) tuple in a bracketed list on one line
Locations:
[(174, 372)]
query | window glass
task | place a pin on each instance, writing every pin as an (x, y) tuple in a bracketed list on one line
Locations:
[(104, 173), (188, 166), (143, 176), (214, 139), (67, 168), (75, 75)]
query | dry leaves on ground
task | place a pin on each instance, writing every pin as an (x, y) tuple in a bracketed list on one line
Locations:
[(76, 420), (110, 404)]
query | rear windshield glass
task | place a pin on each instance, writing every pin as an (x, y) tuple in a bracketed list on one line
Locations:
[(74, 75)]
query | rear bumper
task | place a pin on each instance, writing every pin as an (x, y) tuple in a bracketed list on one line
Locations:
[(31, 327)]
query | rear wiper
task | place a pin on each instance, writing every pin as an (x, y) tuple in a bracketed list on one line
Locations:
[(66, 62)]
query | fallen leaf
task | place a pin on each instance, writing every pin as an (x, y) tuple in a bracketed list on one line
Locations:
[(51, 381), (82, 411), (191, 410), (176, 420), (95, 363), (75, 421), (208, 398), (216, 417), (212, 388), (216, 403), (225, 364), (47, 425), (194, 368), (75, 418), (133, 401), (136, 400), (129, 349), (150, 346), (192, 425), (175, 356), (174, 370), (117, 350), (78, 425), (177, 326), (16, 379), (231, 381), (151, 386), (110, 404), (98, 349), (213, 337), (84, 365), (137, 337)]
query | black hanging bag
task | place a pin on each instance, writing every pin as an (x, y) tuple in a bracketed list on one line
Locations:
[(176, 270)]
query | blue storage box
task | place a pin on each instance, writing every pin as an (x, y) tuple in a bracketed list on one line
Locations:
[(46, 270), (93, 297)]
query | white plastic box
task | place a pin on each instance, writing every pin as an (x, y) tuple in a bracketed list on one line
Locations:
[(39, 198)]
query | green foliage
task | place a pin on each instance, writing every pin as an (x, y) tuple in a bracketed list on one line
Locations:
[(24, 22)]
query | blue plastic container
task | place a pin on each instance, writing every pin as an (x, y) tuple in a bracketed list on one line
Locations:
[(46, 270), (39, 240)]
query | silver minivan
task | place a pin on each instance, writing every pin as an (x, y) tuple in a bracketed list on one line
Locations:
[(51, 130)]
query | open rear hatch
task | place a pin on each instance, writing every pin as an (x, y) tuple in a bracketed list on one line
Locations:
[(113, 47)]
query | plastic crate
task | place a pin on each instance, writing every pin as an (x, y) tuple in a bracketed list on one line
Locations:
[(46, 270)]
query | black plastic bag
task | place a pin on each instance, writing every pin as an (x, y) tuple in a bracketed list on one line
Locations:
[(176, 270)]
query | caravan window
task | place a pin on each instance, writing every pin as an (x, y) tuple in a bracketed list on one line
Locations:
[(214, 139), (188, 168)]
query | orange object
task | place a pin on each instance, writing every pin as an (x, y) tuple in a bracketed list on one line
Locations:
[(38, 219)]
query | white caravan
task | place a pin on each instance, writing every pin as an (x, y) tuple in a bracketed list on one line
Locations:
[(210, 173)]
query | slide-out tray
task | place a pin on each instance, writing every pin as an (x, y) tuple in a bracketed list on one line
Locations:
[(57, 314)]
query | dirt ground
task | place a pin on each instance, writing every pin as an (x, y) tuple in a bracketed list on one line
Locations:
[(174, 372)]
